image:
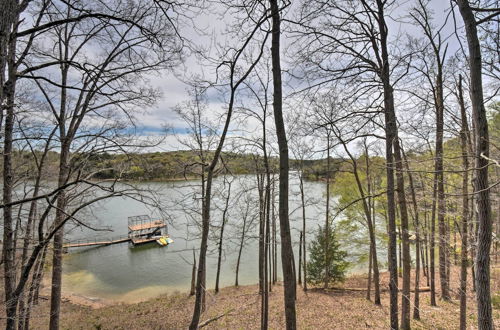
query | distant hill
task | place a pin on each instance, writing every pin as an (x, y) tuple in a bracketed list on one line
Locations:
[(174, 165), (164, 166)]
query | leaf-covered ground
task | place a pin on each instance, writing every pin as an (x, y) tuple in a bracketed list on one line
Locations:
[(240, 307)]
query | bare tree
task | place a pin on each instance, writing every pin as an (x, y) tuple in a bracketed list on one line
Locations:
[(481, 188), (286, 240), (438, 50), (350, 42), (33, 62), (464, 135), (368, 213), (235, 75)]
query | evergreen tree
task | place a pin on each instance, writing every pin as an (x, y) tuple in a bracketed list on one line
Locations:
[(316, 265)]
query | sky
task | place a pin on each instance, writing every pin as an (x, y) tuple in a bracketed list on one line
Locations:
[(153, 120)]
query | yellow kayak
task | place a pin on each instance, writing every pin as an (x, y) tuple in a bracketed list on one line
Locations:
[(162, 241)]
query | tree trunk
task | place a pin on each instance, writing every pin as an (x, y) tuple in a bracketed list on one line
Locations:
[(262, 215), (327, 212), (369, 285), (8, 17), (304, 251), (441, 206), (300, 258), (242, 242), (221, 237), (433, 243), (400, 252), (390, 136), (481, 188), (405, 304), (465, 207), (55, 297), (275, 241), (286, 242), (64, 170), (416, 302), (266, 241), (426, 256), (193, 276)]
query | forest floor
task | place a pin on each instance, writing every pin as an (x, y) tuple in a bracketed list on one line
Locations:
[(239, 308)]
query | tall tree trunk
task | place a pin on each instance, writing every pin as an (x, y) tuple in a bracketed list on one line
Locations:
[(481, 188), (64, 171), (8, 17), (200, 288), (416, 302), (267, 209), (371, 229), (286, 241), (369, 284), (473, 228), (455, 254), (300, 258), (433, 242), (390, 136), (465, 207), (275, 241), (400, 252), (304, 251), (405, 303), (327, 213), (262, 215), (441, 205), (426, 233), (56, 286)]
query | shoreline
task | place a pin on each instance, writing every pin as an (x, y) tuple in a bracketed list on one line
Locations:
[(99, 302), (77, 299)]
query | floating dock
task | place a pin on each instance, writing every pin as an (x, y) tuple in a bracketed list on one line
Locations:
[(141, 229)]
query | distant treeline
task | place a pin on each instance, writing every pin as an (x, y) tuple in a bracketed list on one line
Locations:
[(164, 166), (175, 165)]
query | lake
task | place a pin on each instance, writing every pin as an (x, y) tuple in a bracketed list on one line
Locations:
[(127, 274)]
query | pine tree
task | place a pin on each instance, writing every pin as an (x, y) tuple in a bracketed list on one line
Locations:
[(336, 257)]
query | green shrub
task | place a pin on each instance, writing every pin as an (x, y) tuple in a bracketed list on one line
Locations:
[(317, 260)]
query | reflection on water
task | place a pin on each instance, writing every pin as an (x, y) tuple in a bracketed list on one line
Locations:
[(128, 274)]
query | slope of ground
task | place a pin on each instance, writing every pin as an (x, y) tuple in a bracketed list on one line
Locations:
[(239, 308)]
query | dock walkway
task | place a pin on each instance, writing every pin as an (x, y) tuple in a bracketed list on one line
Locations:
[(96, 242)]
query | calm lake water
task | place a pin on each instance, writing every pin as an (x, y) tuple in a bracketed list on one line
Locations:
[(124, 273)]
